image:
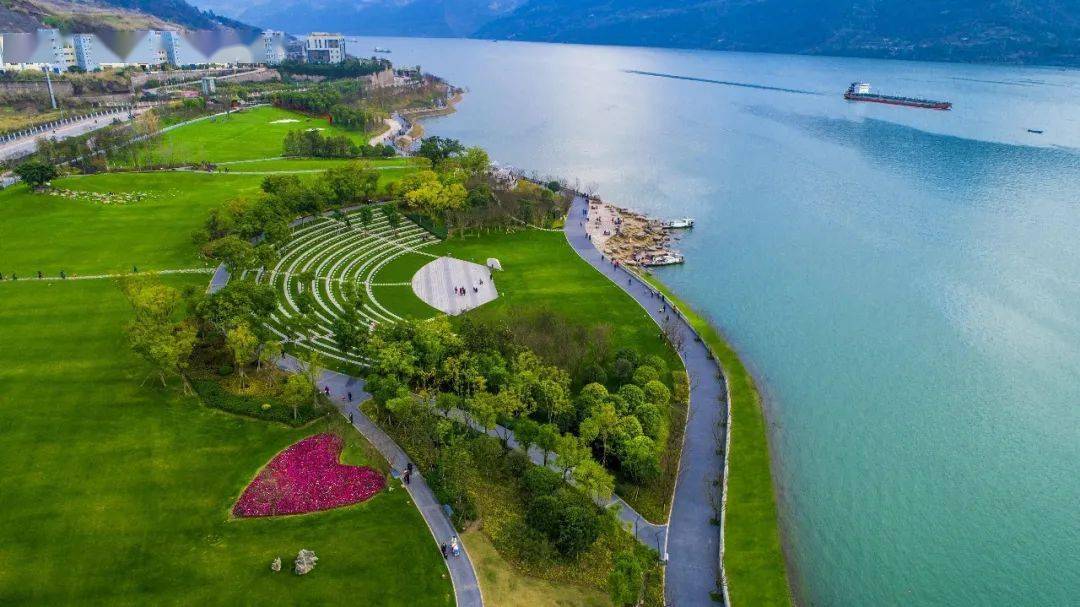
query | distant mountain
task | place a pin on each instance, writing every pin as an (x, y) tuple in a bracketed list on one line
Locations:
[(102, 15), (1012, 31), (434, 18), (1020, 31)]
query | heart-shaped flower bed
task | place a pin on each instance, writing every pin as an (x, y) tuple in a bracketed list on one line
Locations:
[(307, 477)]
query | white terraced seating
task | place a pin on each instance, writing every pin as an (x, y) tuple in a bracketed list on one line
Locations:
[(336, 254)]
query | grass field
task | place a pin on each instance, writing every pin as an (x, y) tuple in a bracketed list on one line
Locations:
[(541, 271), (504, 587), (253, 133), (317, 164), (753, 555), (53, 233), (120, 493)]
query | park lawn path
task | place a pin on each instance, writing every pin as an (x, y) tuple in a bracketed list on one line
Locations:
[(693, 541)]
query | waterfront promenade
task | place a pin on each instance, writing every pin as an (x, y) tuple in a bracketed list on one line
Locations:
[(693, 541)]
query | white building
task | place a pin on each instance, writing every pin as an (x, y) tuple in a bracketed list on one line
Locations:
[(273, 47), (170, 40), (324, 48), (84, 52)]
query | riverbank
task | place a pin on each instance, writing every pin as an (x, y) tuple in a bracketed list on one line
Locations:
[(752, 551), (630, 238), (416, 129)]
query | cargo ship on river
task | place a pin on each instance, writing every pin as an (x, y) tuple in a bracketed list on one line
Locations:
[(860, 91)]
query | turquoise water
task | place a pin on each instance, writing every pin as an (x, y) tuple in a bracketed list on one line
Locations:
[(905, 283)]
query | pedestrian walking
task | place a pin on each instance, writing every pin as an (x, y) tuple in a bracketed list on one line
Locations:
[(350, 418), (350, 397), (326, 390), (408, 476), (444, 550)]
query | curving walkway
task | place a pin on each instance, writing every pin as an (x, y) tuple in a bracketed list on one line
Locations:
[(649, 534), (693, 542), (462, 572)]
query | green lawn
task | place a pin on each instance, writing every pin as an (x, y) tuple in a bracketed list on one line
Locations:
[(317, 164), (120, 493), (81, 236), (253, 133), (540, 270), (753, 555)]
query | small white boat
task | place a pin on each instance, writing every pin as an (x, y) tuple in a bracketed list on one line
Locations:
[(381, 49), (668, 259), (679, 224)]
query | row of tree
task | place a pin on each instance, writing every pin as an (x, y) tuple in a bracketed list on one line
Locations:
[(243, 232), (313, 144)]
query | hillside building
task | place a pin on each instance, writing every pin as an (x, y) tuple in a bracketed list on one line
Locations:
[(322, 47)]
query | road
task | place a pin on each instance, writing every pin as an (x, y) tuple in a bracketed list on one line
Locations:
[(26, 145), (693, 541)]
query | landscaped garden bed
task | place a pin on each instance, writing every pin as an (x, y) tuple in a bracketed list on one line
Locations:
[(307, 477)]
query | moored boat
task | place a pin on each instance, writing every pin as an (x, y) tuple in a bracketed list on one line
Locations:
[(666, 259), (677, 224)]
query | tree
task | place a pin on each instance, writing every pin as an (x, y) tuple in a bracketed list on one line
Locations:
[(152, 333), (569, 452), (392, 216), (36, 173), (526, 431), (236, 253), (625, 582), (242, 343), (594, 480), (547, 438), (297, 390), (601, 425), (268, 353), (438, 149), (350, 334), (366, 216), (639, 460)]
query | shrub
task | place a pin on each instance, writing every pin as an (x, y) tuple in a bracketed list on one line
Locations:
[(622, 371), (645, 374), (633, 397), (517, 463), (656, 362), (657, 392), (578, 529), (652, 419), (539, 481), (545, 515), (214, 395)]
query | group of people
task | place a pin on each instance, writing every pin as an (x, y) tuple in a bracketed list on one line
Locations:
[(462, 291), (453, 547), (40, 275)]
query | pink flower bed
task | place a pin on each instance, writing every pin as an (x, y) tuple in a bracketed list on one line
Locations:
[(307, 477)]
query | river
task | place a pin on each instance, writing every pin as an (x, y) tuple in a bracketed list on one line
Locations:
[(904, 283)]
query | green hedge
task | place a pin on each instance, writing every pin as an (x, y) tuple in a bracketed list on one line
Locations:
[(214, 395), (438, 231)]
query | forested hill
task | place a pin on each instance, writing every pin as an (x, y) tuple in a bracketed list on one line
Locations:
[(100, 15), (1009, 31), (994, 31)]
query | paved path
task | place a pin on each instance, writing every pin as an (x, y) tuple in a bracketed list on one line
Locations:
[(462, 573), (650, 534), (693, 542), (436, 283), (393, 128), (28, 144)]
